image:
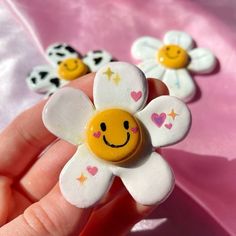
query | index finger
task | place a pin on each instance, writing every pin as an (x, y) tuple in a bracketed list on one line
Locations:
[(26, 137)]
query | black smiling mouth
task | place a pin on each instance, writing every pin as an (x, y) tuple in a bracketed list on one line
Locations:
[(171, 56), (116, 146)]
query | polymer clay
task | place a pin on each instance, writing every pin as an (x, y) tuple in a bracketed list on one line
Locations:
[(66, 64), (116, 136), (171, 60)]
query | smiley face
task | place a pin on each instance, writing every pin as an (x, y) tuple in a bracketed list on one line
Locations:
[(173, 56), (72, 68), (113, 135)]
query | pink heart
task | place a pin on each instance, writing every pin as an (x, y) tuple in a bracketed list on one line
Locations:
[(134, 129), (136, 95), (158, 119), (92, 170), (168, 126), (97, 134)]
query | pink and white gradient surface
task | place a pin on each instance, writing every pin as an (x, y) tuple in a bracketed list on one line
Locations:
[(203, 202)]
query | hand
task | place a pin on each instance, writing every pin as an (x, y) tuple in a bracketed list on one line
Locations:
[(30, 200)]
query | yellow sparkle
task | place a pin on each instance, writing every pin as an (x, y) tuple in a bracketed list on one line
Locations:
[(108, 73), (82, 178), (173, 114), (117, 79)]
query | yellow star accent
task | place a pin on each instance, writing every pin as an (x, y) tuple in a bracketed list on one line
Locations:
[(82, 178), (117, 79), (108, 73), (173, 114)]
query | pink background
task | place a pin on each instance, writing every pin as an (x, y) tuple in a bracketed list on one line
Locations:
[(204, 200)]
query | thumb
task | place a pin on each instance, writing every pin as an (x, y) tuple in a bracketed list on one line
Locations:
[(52, 215)]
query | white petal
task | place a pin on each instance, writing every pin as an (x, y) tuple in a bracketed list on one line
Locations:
[(97, 179), (145, 48), (202, 60), (180, 38), (66, 114), (120, 84), (152, 69), (163, 125), (148, 183), (180, 84), (58, 52), (96, 59), (43, 79)]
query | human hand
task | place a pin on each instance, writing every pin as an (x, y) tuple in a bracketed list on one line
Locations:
[(31, 160)]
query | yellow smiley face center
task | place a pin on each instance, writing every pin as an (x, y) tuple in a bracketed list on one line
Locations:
[(173, 56), (72, 68), (113, 135)]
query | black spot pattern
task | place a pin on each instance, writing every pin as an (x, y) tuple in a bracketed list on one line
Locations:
[(55, 81), (58, 46), (43, 74), (70, 49), (33, 80), (60, 54), (97, 60)]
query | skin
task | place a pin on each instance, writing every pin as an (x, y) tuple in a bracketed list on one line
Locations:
[(30, 198)]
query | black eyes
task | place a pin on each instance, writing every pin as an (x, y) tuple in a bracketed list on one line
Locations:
[(126, 124), (103, 126), (178, 51)]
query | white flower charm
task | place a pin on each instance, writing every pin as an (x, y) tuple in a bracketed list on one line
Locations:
[(171, 59), (66, 64), (115, 136)]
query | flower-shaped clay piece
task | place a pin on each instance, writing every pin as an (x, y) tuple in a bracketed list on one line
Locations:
[(116, 136), (171, 59), (66, 64)]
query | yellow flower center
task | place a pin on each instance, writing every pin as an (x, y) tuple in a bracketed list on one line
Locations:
[(173, 56), (114, 135), (72, 68)]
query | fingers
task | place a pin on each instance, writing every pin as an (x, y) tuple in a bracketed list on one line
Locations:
[(26, 137), (12, 203), (156, 88), (52, 215), (5, 198), (117, 217), (84, 83), (37, 182), (44, 174), (17, 204)]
